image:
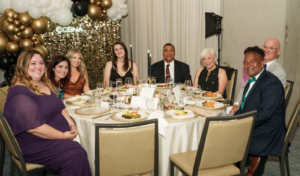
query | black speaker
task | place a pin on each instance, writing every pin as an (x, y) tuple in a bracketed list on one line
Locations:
[(212, 24)]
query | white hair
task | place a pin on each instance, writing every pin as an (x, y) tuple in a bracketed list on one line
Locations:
[(208, 50)]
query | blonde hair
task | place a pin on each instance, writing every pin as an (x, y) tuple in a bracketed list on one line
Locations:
[(21, 74), (81, 68)]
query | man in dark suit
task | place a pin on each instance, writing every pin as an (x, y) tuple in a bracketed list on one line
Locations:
[(265, 94), (169, 67)]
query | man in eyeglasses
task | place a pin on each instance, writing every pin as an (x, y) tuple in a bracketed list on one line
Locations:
[(272, 50), (265, 94)]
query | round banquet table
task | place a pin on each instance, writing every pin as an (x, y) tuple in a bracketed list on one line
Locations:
[(180, 136)]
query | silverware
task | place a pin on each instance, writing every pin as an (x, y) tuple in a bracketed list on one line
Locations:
[(96, 117), (199, 115)]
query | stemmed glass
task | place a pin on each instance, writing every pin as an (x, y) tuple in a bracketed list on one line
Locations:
[(114, 96), (97, 95), (128, 82), (188, 88), (108, 88), (183, 100), (119, 84), (153, 82), (150, 103), (170, 82)]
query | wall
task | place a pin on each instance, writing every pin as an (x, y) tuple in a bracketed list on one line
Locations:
[(292, 53)]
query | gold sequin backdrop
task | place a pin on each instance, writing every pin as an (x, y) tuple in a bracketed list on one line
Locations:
[(95, 41)]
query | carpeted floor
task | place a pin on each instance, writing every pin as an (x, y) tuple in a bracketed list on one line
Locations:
[(272, 166)]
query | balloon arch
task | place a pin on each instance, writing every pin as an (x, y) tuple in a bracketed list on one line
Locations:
[(54, 26)]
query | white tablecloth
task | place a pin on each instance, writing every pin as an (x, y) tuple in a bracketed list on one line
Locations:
[(181, 136)]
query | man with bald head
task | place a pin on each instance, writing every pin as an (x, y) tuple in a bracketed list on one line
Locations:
[(272, 50)]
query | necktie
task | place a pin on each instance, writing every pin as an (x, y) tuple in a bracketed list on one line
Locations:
[(167, 72), (265, 66), (250, 80)]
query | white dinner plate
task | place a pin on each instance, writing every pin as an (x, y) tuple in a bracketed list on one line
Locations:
[(190, 114), (218, 105), (210, 98), (71, 101), (118, 117), (92, 110)]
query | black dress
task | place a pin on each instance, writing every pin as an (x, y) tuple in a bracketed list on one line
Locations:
[(212, 83), (115, 75)]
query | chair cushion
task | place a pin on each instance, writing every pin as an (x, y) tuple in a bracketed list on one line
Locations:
[(3, 95), (29, 166), (186, 161)]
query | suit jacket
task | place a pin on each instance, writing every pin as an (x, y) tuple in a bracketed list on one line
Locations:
[(181, 72), (274, 68), (267, 98)]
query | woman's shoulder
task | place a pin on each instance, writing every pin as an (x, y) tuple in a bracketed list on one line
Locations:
[(19, 89), (200, 69), (222, 71)]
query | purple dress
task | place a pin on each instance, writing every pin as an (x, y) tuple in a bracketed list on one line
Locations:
[(25, 110)]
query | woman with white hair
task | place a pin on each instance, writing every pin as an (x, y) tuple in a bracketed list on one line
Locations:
[(211, 77)]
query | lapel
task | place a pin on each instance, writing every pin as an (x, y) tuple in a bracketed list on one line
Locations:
[(161, 71), (254, 87), (176, 71)]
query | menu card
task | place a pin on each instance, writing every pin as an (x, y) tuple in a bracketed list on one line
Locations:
[(147, 92), (170, 96), (176, 91)]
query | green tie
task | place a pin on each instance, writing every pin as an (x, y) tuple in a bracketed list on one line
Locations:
[(250, 80)]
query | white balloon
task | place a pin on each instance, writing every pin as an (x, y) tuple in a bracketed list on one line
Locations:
[(63, 16), (124, 12), (125, 6), (112, 12), (32, 2), (117, 3), (39, 5), (119, 16), (52, 18), (45, 3), (58, 7), (44, 11), (119, 10), (59, 1), (69, 4), (4, 4), (63, 5), (35, 12), (20, 6)]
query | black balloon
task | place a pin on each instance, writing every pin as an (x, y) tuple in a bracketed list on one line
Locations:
[(7, 76), (4, 62), (75, 0), (79, 8), (8, 55), (15, 56), (87, 1), (12, 69)]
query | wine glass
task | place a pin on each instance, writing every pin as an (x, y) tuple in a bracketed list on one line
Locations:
[(99, 86), (188, 83), (153, 82), (114, 96), (170, 82), (183, 100), (119, 83), (150, 103), (197, 92), (97, 95), (128, 82)]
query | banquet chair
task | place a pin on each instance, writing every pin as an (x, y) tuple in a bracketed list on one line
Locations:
[(288, 91), (3, 95), (291, 129), (13, 146), (230, 88), (126, 148), (224, 142)]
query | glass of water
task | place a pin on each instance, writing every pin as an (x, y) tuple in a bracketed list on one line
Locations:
[(150, 103), (170, 83), (119, 83), (97, 95), (128, 82), (183, 100)]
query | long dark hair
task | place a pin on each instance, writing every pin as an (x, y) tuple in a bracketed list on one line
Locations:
[(114, 58), (51, 75)]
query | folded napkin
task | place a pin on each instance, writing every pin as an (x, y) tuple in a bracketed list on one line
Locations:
[(162, 123), (124, 106)]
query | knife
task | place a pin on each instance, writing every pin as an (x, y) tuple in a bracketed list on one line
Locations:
[(102, 115)]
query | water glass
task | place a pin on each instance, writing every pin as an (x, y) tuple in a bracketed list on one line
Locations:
[(128, 82), (183, 100), (119, 83), (99, 86), (188, 91), (150, 103), (170, 83), (188, 83), (96, 95)]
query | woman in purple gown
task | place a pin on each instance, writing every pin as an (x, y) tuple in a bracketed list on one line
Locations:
[(39, 120)]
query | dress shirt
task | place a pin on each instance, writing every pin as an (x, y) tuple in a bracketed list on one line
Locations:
[(269, 63), (251, 84), (171, 69)]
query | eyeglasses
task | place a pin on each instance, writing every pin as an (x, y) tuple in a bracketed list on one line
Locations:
[(269, 48)]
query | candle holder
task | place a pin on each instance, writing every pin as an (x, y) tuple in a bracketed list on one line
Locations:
[(149, 80)]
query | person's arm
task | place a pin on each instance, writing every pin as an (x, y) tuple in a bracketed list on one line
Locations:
[(135, 72), (86, 86), (70, 121), (47, 132), (238, 101), (107, 69), (195, 84), (222, 81)]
